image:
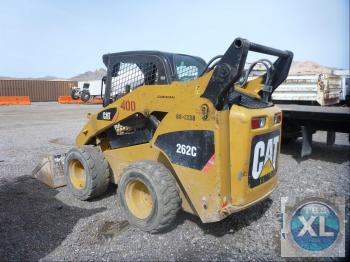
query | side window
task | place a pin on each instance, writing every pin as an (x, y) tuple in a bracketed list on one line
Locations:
[(188, 68), (128, 76)]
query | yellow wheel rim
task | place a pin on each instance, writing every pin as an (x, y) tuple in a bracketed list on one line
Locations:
[(139, 199), (77, 174)]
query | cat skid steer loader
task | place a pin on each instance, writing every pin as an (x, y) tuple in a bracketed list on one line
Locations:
[(175, 132)]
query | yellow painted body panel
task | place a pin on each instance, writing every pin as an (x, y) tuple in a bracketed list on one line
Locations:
[(241, 136), (223, 187), (251, 88)]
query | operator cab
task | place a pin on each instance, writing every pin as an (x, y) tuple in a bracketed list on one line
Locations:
[(127, 71)]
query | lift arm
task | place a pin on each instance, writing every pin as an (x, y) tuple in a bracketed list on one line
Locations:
[(230, 68)]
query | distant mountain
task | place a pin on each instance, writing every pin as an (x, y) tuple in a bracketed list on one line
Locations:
[(308, 67), (302, 68), (90, 75)]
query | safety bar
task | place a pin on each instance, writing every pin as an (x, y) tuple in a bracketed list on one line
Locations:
[(267, 50), (231, 66)]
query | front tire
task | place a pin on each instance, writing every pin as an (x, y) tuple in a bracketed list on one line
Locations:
[(149, 196), (87, 172), (75, 94)]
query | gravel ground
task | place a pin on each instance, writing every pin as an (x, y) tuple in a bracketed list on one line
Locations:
[(41, 223)]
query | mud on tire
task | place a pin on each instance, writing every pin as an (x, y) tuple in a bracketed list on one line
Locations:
[(96, 168), (161, 185)]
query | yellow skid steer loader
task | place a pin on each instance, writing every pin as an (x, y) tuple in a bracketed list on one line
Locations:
[(178, 133)]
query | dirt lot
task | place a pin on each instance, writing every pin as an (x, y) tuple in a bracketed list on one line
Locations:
[(41, 223)]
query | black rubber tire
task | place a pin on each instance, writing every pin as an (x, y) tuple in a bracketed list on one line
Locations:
[(85, 96), (165, 196), (96, 170), (74, 94)]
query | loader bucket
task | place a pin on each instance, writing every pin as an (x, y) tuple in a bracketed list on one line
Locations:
[(50, 171)]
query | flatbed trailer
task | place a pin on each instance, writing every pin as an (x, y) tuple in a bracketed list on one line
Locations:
[(304, 120)]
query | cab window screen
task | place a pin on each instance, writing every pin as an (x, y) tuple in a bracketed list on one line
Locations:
[(188, 68), (126, 77)]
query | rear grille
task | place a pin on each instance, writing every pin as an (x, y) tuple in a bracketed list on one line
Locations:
[(236, 98)]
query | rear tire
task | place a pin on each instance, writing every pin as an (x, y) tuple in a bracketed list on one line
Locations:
[(149, 196), (85, 96), (87, 172)]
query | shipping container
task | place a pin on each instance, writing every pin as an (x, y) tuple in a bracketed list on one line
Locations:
[(37, 90)]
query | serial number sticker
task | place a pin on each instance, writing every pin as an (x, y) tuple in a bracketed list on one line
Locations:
[(185, 117)]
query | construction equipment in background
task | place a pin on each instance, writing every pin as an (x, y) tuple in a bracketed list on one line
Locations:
[(331, 88), (82, 93), (304, 120), (345, 84), (311, 89), (89, 90), (95, 87), (175, 132), (312, 102)]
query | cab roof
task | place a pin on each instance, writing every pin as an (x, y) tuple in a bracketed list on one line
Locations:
[(165, 56)]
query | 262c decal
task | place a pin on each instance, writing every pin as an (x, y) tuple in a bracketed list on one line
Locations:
[(186, 150), (190, 148)]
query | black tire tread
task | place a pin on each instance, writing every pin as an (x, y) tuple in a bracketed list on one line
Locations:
[(166, 184), (74, 95), (85, 96), (98, 168)]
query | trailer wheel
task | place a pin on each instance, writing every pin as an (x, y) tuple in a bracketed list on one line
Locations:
[(85, 96), (87, 172), (148, 194)]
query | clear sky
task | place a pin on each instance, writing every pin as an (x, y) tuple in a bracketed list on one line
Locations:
[(64, 38)]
